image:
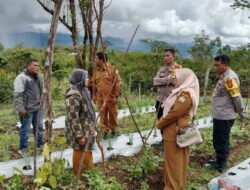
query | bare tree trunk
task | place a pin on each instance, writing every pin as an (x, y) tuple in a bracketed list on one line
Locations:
[(88, 25), (74, 35), (46, 95), (84, 49), (206, 84), (86, 9), (91, 38), (72, 28), (99, 24)]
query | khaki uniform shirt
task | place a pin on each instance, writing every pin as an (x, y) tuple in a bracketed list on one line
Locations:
[(179, 112), (103, 80), (163, 80), (226, 99)]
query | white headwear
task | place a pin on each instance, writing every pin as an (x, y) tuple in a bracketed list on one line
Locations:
[(186, 81)]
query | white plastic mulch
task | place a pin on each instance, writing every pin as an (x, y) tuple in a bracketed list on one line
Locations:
[(238, 176), (119, 145)]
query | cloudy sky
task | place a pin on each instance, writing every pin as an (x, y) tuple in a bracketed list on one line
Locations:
[(159, 19)]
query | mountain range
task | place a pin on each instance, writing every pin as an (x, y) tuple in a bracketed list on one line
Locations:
[(39, 40)]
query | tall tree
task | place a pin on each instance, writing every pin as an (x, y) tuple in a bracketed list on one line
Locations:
[(16, 58), (1, 47), (241, 4), (87, 21), (157, 46), (203, 51), (68, 19), (46, 95), (99, 13)]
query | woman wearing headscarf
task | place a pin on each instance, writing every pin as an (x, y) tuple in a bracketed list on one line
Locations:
[(179, 108), (79, 121)]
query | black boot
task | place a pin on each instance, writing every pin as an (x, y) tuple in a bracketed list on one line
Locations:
[(222, 164), (219, 164), (212, 160)]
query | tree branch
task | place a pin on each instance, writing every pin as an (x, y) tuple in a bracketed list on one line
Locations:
[(242, 4), (51, 11)]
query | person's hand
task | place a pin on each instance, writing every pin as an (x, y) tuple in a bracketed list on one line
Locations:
[(172, 79), (244, 119), (23, 113), (82, 141), (93, 133)]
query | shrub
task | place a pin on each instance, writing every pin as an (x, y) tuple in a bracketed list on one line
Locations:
[(6, 87)]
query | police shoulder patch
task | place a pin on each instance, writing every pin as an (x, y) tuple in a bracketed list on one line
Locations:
[(232, 87), (182, 99)]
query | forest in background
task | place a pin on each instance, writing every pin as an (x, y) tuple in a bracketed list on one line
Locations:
[(137, 69)]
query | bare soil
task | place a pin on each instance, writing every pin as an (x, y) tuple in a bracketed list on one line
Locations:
[(113, 168)]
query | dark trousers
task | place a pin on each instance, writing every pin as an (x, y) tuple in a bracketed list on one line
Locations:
[(221, 136), (159, 112), (159, 109)]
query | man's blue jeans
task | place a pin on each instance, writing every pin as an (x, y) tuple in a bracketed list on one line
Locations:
[(26, 122)]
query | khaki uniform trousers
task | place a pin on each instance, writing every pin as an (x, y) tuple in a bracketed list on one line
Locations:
[(176, 163), (108, 117), (87, 163)]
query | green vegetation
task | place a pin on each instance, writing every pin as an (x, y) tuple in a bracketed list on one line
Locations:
[(97, 181), (54, 175), (198, 174), (143, 167), (137, 70), (7, 142), (9, 119)]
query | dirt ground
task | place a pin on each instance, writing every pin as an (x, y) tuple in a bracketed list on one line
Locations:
[(113, 167)]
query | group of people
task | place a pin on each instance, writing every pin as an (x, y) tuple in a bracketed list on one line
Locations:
[(80, 119), (177, 101), (176, 104)]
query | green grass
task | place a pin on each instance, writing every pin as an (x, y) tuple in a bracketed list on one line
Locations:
[(198, 174), (144, 122), (8, 117), (203, 110), (58, 108), (8, 141), (135, 102)]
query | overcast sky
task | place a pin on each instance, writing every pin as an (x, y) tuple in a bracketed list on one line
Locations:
[(167, 20)]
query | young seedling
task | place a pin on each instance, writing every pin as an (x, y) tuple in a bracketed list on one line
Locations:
[(155, 133), (27, 165), (109, 142), (197, 122), (131, 139)]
